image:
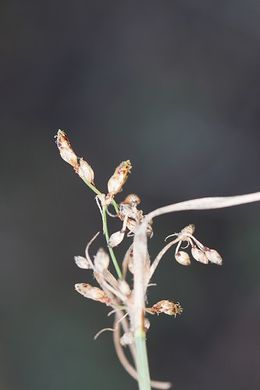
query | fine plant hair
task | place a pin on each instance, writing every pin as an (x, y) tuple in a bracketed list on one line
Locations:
[(123, 285)]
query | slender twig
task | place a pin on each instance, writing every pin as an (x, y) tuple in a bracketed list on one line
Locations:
[(206, 204), (106, 233), (94, 189), (160, 255)]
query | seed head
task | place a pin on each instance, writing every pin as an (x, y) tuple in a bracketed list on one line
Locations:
[(116, 238), (82, 262), (199, 255), (101, 260), (116, 182), (213, 256), (167, 307), (182, 258), (91, 292), (85, 171), (66, 151), (132, 200)]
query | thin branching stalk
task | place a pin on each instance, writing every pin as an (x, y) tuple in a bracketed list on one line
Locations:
[(128, 300), (99, 193), (106, 233)]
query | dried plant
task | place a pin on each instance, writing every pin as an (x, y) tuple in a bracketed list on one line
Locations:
[(127, 299)]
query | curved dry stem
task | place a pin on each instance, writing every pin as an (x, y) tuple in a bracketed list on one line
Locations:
[(126, 260), (160, 255), (102, 331), (87, 249), (128, 366), (106, 233), (206, 204)]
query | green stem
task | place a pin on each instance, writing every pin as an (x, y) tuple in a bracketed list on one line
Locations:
[(105, 228), (94, 189), (142, 365), (106, 233)]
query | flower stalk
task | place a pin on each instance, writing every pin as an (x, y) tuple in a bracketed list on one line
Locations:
[(137, 316), (142, 366), (106, 233)]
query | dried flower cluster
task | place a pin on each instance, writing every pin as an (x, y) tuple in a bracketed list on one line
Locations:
[(199, 252), (81, 167), (126, 297)]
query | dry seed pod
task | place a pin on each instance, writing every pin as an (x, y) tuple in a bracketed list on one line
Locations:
[(66, 151), (85, 171), (213, 256), (182, 258), (199, 255), (132, 200), (167, 307), (101, 260), (115, 239), (91, 292), (82, 262), (116, 182)]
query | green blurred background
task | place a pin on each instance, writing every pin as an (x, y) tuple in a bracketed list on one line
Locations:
[(173, 86)]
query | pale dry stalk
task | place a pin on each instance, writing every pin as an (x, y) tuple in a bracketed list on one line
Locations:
[(128, 302)]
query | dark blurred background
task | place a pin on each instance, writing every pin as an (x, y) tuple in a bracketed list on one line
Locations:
[(174, 86)]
